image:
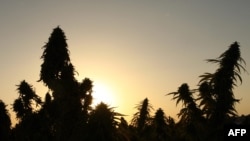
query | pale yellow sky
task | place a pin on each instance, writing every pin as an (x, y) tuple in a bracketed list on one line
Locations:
[(137, 49)]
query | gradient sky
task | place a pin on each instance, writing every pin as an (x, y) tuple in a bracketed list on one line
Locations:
[(134, 48)]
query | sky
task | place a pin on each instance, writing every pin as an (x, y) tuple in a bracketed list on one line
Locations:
[(130, 49)]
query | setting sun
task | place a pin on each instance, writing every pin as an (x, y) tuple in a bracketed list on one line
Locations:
[(102, 93)]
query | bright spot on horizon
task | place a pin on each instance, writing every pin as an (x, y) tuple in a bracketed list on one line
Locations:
[(102, 93)]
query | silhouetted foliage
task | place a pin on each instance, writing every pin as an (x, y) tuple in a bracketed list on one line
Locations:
[(48, 98), (123, 131), (161, 131), (67, 115), (71, 99), (56, 58), (216, 98), (190, 111), (190, 115), (142, 118), (223, 81), (27, 97), (207, 100), (5, 122), (86, 93), (102, 124)]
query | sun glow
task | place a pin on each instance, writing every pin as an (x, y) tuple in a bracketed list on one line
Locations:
[(102, 93)]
